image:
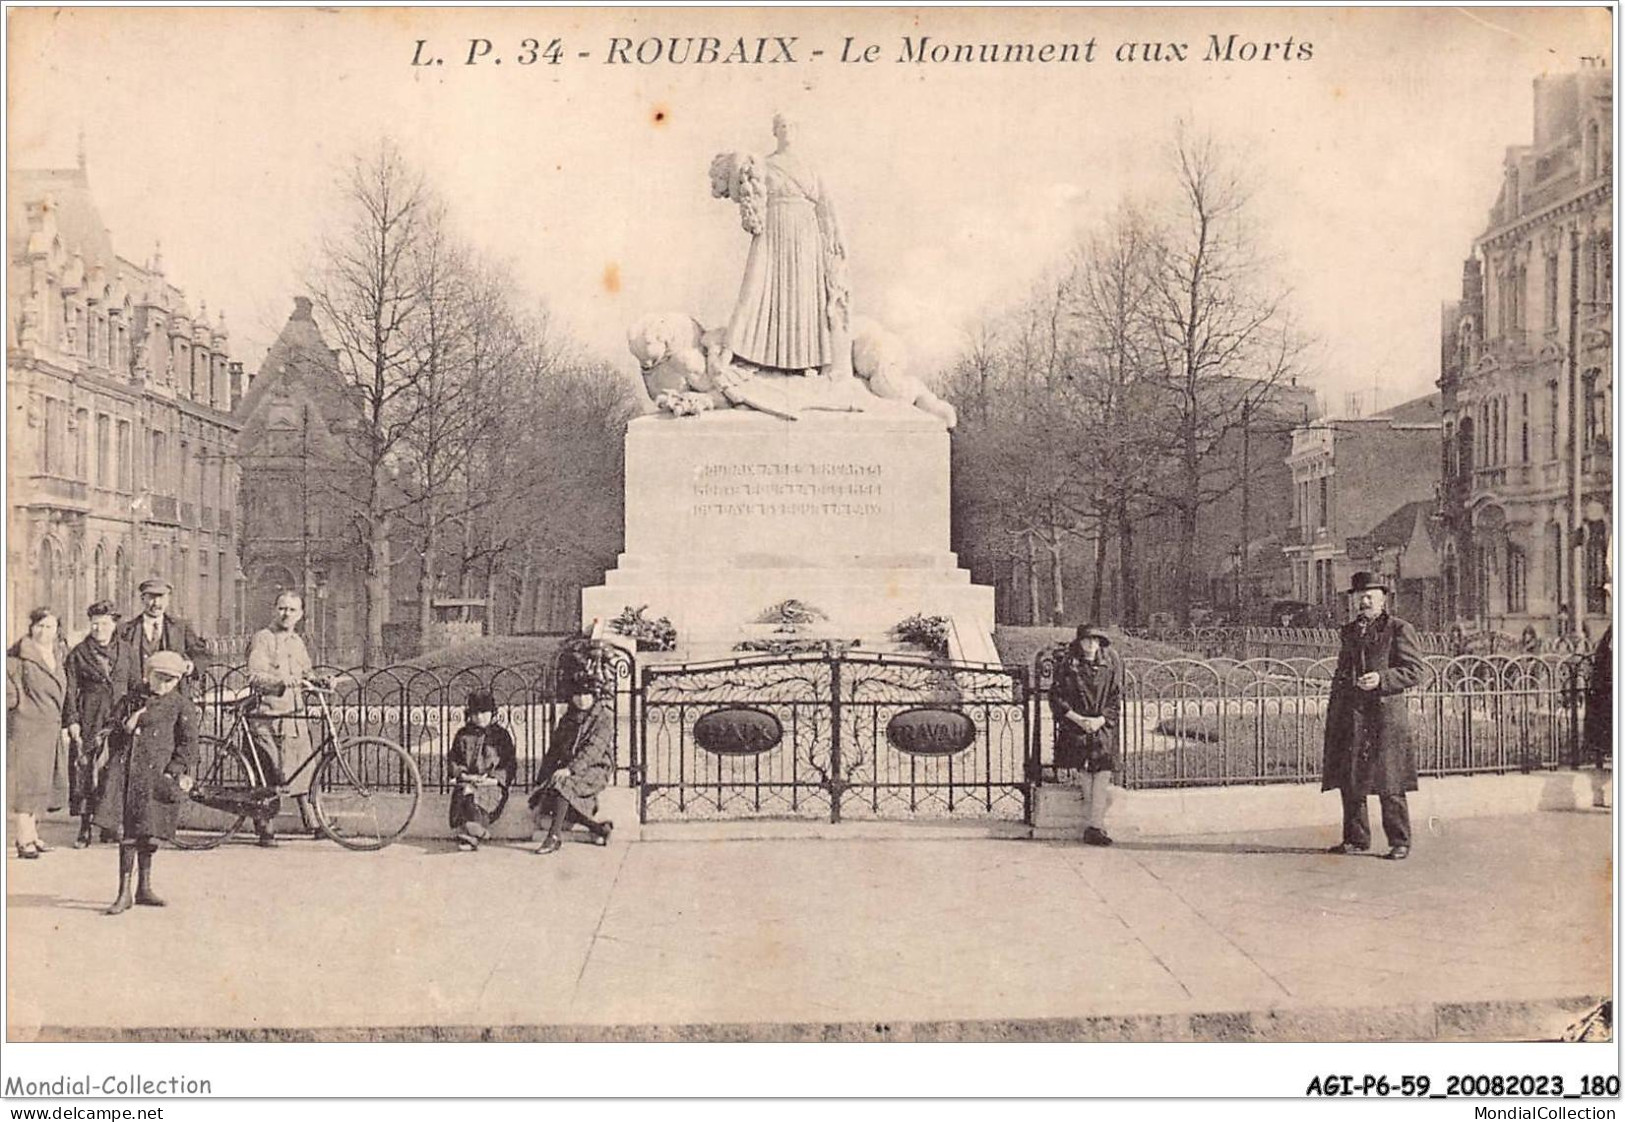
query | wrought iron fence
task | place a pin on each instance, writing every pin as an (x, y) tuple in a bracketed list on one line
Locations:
[(1241, 643), (422, 709), (834, 736), (1214, 722)]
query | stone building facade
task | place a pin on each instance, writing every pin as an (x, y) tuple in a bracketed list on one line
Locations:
[(1364, 496), (294, 468), (1526, 377), (119, 428)]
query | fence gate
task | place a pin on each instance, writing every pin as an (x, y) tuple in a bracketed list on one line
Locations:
[(840, 737)]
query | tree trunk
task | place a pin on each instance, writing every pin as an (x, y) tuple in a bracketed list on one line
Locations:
[(426, 587), (1032, 583), (1096, 601), (375, 583), (1127, 576), (1057, 607)]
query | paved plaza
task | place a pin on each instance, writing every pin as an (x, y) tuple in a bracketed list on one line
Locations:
[(1496, 928)]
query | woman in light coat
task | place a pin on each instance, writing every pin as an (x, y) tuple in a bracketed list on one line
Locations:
[(36, 741)]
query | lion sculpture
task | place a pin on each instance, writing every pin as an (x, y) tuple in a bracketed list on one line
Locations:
[(689, 370)]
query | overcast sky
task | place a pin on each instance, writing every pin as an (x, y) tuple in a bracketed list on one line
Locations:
[(222, 134)]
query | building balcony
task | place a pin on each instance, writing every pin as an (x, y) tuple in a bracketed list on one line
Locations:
[(54, 491), (165, 509)]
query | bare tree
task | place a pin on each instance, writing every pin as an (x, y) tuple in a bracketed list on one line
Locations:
[(1224, 343), (368, 291)]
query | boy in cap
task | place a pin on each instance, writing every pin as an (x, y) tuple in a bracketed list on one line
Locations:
[(1086, 699), (154, 630), (149, 773), (90, 700)]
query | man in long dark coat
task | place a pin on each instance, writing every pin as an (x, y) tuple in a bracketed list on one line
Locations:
[(90, 700), (1368, 740), (136, 640)]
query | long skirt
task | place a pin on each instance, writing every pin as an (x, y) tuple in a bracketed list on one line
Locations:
[(780, 319)]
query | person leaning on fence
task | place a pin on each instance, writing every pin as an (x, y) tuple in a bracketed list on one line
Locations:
[(90, 700), (1368, 741), (482, 764), (278, 663), (152, 758), (1087, 700), (581, 761)]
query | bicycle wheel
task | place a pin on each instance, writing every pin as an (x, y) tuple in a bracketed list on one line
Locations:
[(365, 792), (223, 770)]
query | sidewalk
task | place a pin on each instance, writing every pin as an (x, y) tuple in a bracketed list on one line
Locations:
[(1495, 928)]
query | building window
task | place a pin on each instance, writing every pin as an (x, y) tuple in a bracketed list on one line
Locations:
[(81, 445), (1325, 502), (102, 591), (205, 597), (1517, 582), (1523, 428), (126, 461), (1596, 567), (1554, 570), (104, 449), (185, 472), (1551, 291), (1553, 419), (1596, 421)]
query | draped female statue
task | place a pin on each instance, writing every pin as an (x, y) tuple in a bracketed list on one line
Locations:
[(794, 302)]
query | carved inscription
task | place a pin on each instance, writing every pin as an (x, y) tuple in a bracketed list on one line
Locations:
[(790, 489)]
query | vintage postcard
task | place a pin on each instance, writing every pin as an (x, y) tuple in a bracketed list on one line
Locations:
[(818, 525)]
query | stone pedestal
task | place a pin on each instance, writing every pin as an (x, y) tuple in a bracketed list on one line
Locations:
[(732, 512)]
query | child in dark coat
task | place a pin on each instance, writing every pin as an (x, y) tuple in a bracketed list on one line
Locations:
[(482, 764), (151, 760)]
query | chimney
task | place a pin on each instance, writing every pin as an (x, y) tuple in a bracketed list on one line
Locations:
[(237, 386), (301, 307)]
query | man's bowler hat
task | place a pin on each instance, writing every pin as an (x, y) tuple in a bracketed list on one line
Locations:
[(1363, 581), (101, 608), (156, 586)]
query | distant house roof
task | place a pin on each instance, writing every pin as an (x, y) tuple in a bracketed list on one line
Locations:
[(1419, 410)]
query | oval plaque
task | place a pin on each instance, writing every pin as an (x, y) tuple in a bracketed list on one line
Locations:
[(931, 732), (738, 730)]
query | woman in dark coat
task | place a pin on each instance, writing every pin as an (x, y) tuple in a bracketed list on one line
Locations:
[(1599, 719), (152, 759), (1368, 738), (581, 761), (90, 702), (482, 763), (36, 741), (1086, 699)]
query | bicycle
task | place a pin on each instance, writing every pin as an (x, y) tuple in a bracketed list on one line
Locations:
[(364, 790)]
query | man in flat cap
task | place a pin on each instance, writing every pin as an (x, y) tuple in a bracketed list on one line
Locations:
[(152, 631), (1368, 739), (90, 700)]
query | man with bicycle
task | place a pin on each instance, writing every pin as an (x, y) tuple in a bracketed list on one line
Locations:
[(278, 663)]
